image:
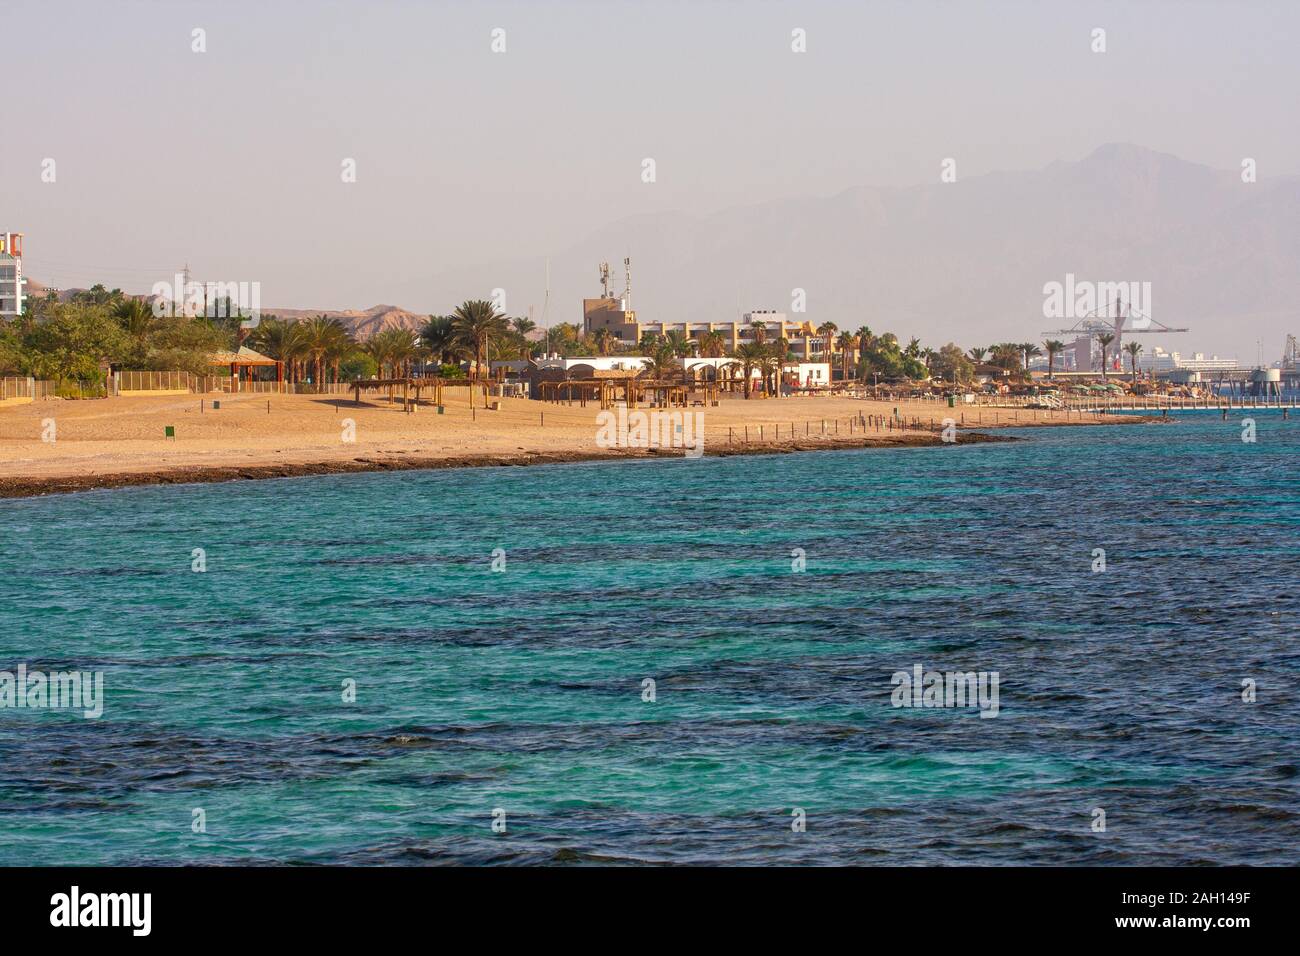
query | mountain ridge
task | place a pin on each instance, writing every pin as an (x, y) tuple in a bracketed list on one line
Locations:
[(964, 261)]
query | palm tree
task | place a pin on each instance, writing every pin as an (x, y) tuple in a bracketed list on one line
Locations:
[(866, 338), (137, 320), (1133, 348), (1006, 355), (523, 326), (378, 348), (283, 341), (1054, 348), (393, 351), (750, 355), (1030, 350), (760, 330), (681, 343), (605, 340), (439, 336), (98, 295), (323, 336), (1104, 341), (847, 342), (977, 355), (713, 345), (476, 323), (661, 363), (827, 331), (773, 362)]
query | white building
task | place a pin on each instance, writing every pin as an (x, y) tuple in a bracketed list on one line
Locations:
[(11, 274), (599, 363), (807, 374), (1159, 360)]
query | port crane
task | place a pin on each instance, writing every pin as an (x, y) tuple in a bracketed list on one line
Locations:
[(1126, 321)]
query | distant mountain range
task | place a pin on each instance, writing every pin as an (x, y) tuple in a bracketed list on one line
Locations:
[(362, 325), (964, 261)]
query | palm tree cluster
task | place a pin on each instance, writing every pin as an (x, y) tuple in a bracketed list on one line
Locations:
[(1014, 357), (321, 350), (313, 351), (80, 337)]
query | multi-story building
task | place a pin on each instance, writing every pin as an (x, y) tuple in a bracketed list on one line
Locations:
[(11, 274), (613, 314), (616, 314), (1159, 360)]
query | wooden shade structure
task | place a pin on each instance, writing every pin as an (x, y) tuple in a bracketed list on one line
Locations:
[(245, 358), (408, 385)]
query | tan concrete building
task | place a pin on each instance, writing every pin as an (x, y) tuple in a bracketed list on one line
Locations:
[(11, 274), (611, 313)]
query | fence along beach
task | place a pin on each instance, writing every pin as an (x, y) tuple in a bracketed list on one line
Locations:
[(123, 440)]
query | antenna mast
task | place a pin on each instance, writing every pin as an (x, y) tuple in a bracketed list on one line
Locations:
[(546, 305)]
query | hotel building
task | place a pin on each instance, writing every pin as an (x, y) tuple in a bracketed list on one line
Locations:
[(613, 314), (11, 274)]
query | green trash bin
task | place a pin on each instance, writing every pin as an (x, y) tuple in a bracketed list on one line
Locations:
[(952, 401), (441, 409), (216, 403)]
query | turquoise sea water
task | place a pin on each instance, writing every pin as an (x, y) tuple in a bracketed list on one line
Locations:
[(522, 690)]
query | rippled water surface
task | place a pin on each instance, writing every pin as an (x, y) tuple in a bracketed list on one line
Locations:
[(522, 690)]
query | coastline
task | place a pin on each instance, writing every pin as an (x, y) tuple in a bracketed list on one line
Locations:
[(164, 440), (19, 487)]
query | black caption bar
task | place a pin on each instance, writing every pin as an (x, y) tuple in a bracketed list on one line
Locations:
[(333, 904)]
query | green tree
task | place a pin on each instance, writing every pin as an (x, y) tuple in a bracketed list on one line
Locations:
[(1133, 348), (393, 351), (76, 343), (283, 341), (137, 320), (662, 362), (605, 340), (847, 343), (713, 345), (1054, 348), (751, 355), (477, 323), (827, 331), (1104, 341), (325, 339), (952, 364), (439, 336), (682, 344)]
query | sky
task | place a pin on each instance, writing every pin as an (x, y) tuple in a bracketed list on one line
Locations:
[(231, 159)]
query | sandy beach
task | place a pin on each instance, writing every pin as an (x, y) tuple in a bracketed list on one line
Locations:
[(118, 441)]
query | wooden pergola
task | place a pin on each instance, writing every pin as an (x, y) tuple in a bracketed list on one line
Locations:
[(248, 359), (631, 390), (408, 385), (584, 389)]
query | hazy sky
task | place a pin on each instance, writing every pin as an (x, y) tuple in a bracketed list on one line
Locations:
[(230, 159)]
